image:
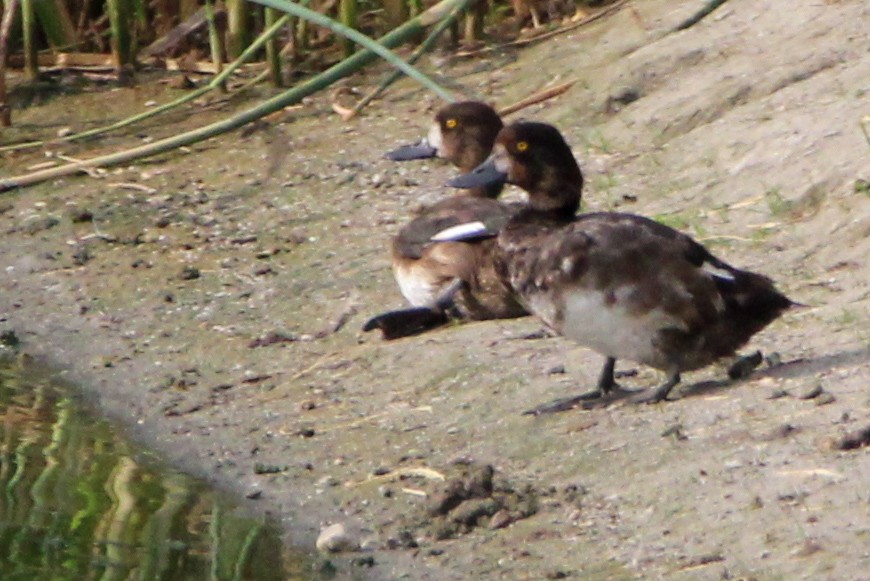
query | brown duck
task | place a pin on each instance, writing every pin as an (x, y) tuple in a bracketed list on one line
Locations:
[(451, 280), (623, 285)]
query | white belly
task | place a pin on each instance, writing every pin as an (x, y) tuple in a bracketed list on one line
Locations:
[(417, 290), (610, 330)]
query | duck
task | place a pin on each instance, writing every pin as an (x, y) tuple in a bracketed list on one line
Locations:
[(450, 280), (620, 284)]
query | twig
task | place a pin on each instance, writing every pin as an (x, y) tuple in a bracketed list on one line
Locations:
[(864, 123), (41, 165), (536, 98), (366, 419), (133, 186), (93, 172), (724, 237), (700, 15), (745, 203), (420, 471)]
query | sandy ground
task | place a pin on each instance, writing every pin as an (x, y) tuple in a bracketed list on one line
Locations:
[(211, 300)]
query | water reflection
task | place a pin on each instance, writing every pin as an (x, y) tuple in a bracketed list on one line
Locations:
[(76, 504)]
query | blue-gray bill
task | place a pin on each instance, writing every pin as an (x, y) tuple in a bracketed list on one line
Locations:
[(483, 175), (421, 150)]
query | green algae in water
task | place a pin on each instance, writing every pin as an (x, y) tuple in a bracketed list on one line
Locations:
[(76, 503)]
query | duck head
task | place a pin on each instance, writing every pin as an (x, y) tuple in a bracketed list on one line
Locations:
[(535, 157), (462, 133)]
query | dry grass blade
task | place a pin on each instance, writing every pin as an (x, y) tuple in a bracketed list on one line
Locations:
[(864, 122), (538, 97), (366, 419), (419, 471)]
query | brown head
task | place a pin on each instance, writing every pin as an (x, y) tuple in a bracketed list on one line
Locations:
[(535, 157), (463, 134)]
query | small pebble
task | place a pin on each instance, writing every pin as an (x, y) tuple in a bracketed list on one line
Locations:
[(260, 468), (500, 520), (335, 539), (676, 431), (81, 256), (80, 215), (825, 399), (189, 273), (327, 480), (812, 393), (366, 561), (39, 224)]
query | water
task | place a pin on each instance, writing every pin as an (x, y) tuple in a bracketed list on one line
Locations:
[(77, 502)]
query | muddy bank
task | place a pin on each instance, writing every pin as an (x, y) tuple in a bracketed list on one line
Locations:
[(211, 300)]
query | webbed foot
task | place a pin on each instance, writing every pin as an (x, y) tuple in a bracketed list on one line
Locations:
[(589, 400), (660, 393), (745, 365)]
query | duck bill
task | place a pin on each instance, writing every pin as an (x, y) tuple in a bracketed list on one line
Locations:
[(420, 150), (485, 174)]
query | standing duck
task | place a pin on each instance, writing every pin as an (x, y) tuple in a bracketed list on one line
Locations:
[(623, 285), (451, 279)]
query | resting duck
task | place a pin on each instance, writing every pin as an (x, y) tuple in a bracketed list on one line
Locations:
[(623, 285), (451, 279)]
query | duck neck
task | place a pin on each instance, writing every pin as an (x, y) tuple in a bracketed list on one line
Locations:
[(491, 191), (554, 184), (558, 209), (558, 199)]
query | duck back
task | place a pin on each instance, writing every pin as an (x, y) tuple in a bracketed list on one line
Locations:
[(632, 288)]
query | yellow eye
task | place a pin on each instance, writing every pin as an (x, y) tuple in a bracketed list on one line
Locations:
[(522, 145), (450, 123)]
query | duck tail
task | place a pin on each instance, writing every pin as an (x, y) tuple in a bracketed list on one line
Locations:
[(752, 298), (407, 322)]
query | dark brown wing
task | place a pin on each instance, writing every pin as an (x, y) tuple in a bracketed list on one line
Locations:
[(412, 239)]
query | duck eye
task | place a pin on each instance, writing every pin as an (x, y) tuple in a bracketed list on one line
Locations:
[(451, 123), (522, 146)]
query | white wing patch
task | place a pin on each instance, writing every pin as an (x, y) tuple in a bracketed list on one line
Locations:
[(717, 272), (461, 232)]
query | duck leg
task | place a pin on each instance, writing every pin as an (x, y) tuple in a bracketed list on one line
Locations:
[(407, 322), (606, 381), (661, 392), (606, 391), (416, 320)]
